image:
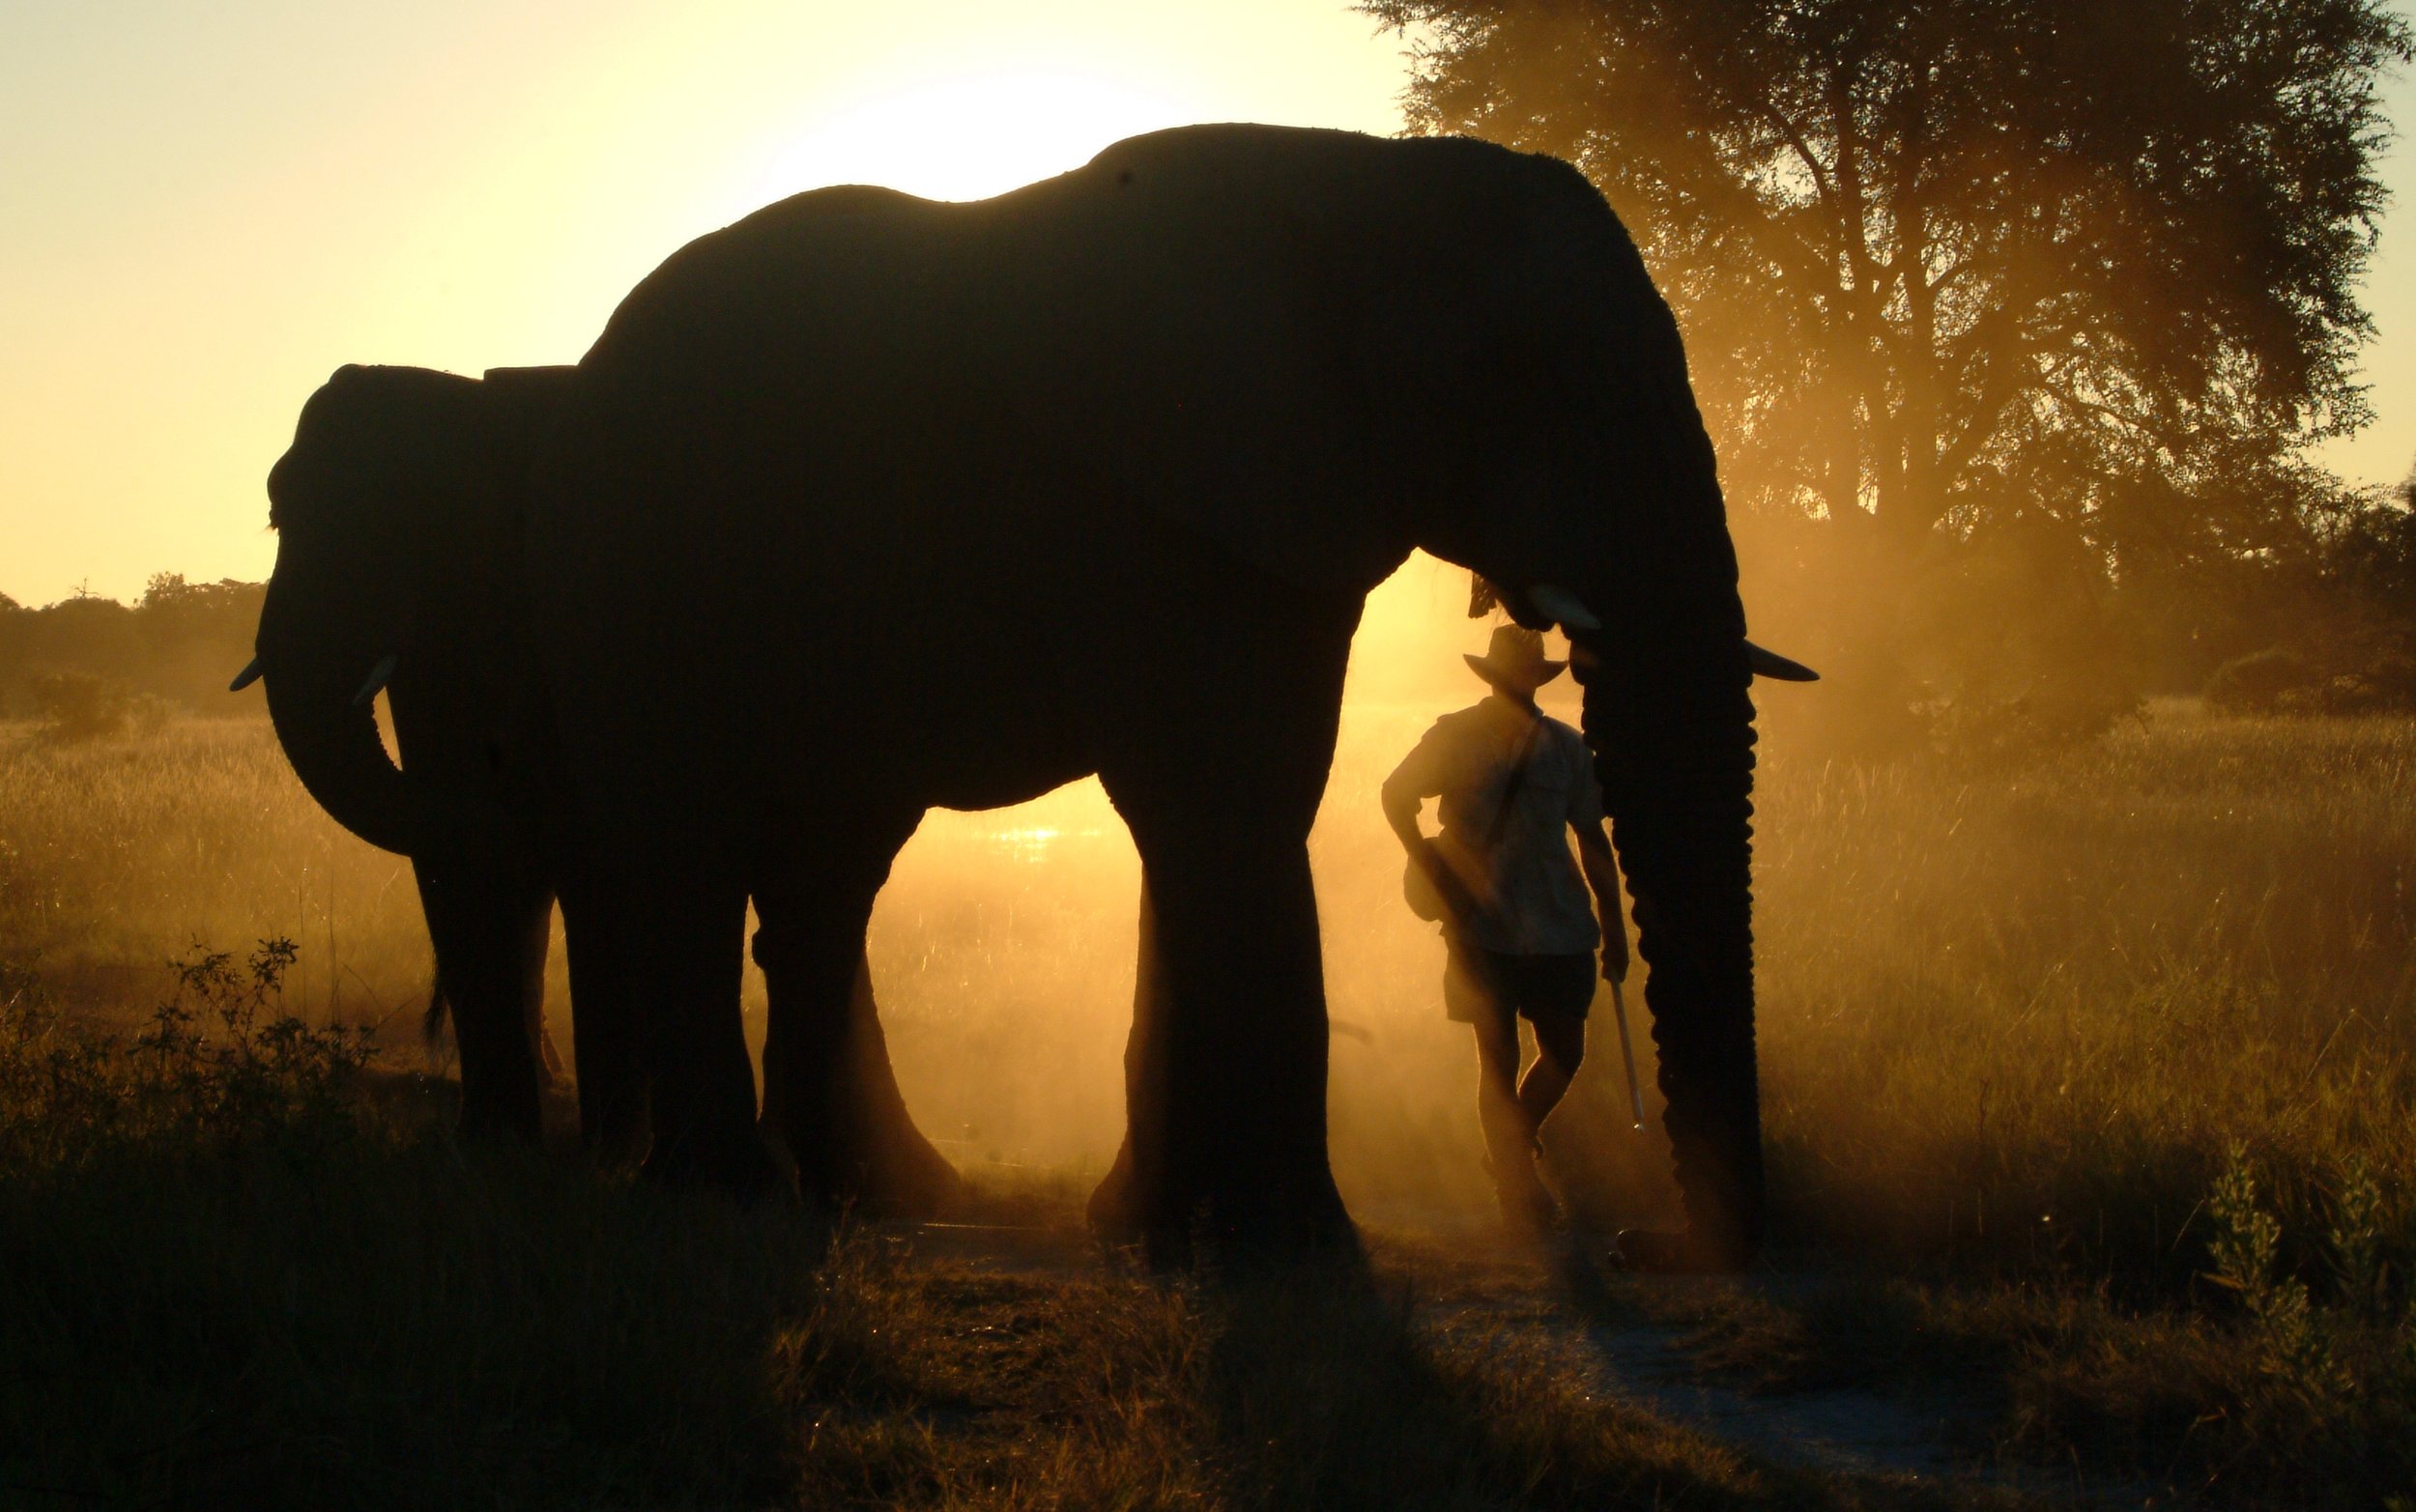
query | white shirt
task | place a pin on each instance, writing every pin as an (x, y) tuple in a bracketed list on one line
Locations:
[(1533, 896)]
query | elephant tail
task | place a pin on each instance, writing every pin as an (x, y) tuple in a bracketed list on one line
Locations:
[(432, 1022)]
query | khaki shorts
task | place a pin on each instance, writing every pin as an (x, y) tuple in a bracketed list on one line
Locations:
[(1481, 985)]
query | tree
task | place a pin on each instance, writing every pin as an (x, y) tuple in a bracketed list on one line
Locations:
[(174, 645), (1966, 266), (193, 633)]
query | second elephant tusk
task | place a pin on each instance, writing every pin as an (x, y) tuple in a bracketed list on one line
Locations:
[(246, 677), (379, 675), (1563, 607), (1769, 663)]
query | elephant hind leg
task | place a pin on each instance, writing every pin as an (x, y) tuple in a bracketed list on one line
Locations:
[(1225, 1069), (830, 1095), (1215, 730), (673, 937), (902, 1175)]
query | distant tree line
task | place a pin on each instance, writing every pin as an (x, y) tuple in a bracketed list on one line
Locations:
[(88, 661)]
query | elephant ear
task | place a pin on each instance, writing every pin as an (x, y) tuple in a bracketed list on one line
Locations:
[(1193, 343)]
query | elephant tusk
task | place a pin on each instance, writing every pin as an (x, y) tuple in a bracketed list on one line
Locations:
[(246, 677), (1769, 663), (1565, 608), (378, 677)]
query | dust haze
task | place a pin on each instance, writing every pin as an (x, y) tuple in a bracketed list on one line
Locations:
[(1003, 953), (2002, 970)]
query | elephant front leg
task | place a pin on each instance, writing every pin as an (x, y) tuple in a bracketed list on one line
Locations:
[(603, 1033), (830, 1095), (489, 922), (672, 939), (1115, 1211), (1226, 1074)]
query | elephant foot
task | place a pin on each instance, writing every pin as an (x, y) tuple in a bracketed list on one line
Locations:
[(515, 1123), (743, 1170), (865, 1155), (1224, 1227), (1715, 1135), (909, 1182), (502, 1087), (1113, 1213), (1688, 1251), (1220, 1240)]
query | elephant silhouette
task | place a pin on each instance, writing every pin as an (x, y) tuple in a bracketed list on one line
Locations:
[(863, 506), (398, 509)]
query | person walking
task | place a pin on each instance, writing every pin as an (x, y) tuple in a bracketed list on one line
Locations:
[(1522, 931)]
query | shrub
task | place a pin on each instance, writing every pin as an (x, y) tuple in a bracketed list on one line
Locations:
[(2006, 647), (219, 1065), (78, 706), (149, 713), (2365, 673), (2259, 682)]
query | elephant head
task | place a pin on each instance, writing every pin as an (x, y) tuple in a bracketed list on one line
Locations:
[(398, 512), (1347, 347)]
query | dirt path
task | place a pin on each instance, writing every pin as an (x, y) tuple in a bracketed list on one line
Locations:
[(1847, 1429), (1936, 1438), (1916, 1432)]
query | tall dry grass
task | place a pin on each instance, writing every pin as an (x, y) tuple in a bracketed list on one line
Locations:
[(2090, 1077), (2014, 1017), (117, 854), (245, 1269), (2022, 1017)]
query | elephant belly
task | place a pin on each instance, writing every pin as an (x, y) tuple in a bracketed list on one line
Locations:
[(962, 703), (991, 743)]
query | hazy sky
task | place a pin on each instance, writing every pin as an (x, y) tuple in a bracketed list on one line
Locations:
[(208, 208)]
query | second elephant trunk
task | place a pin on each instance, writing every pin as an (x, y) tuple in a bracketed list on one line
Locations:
[(331, 736), (1673, 740)]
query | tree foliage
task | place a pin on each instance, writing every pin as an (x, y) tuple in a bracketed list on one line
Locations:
[(177, 644), (1970, 265)]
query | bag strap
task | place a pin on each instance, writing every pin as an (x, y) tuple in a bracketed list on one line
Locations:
[(1517, 780), (1501, 816)]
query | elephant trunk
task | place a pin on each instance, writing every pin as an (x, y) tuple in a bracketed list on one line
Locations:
[(329, 733), (1669, 717)]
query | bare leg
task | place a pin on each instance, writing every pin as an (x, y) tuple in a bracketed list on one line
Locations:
[(1509, 1130), (1510, 1127), (1560, 1050)]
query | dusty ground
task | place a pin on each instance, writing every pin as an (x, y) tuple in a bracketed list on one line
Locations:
[(1568, 1306)]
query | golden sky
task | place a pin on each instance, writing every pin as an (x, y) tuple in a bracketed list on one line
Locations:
[(209, 207)]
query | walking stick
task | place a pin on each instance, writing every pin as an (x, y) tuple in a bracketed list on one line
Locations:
[(1627, 1054)]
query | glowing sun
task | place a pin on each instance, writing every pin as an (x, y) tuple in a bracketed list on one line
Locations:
[(971, 136)]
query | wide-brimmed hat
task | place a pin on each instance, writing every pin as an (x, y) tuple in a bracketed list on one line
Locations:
[(1514, 661)]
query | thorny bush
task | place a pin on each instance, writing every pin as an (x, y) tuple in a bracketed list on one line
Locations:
[(219, 1065)]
